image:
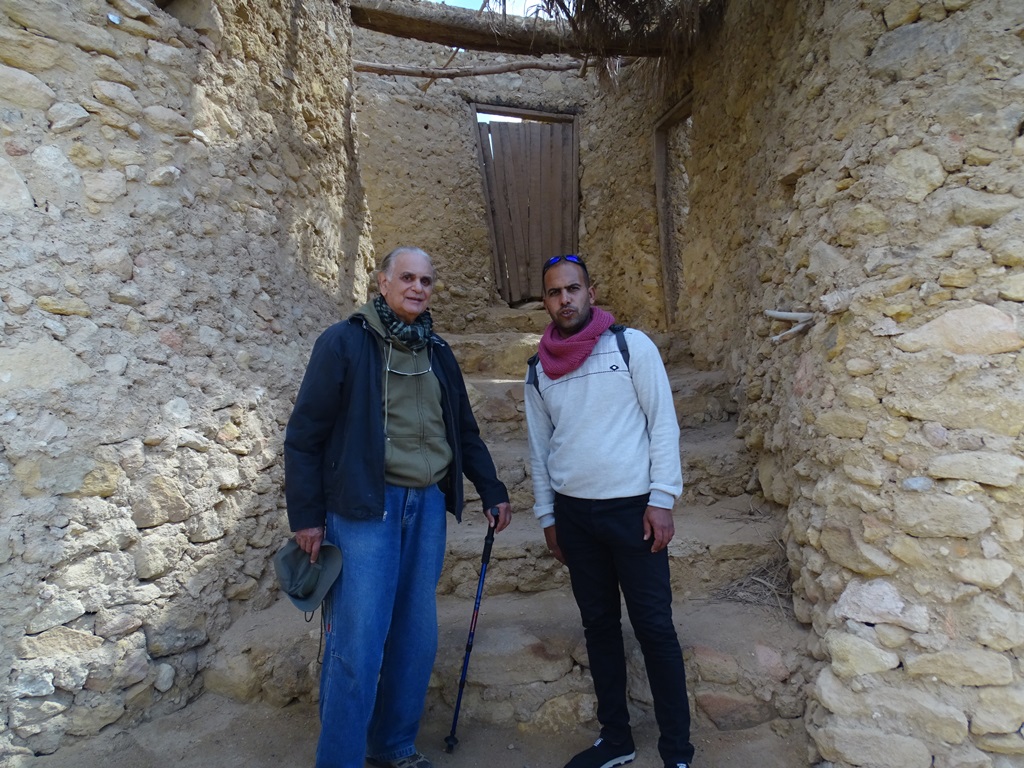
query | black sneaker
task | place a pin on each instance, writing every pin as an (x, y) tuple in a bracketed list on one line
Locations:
[(604, 755)]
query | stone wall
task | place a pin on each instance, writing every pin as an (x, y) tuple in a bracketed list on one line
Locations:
[(863, 161), (181, 214), (418, 151)]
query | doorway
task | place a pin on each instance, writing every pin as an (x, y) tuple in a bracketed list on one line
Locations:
[(528, 163)]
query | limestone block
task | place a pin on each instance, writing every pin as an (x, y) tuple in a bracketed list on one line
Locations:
[(62, 609), (962, 666), (972, 207), (977, 330), (26, 51), (52, 19), (166, 55), (25, 89), (93, 711), (57, 180), (940, 515), (1012, 288), (157, 500), (879, 602), (900, 12), (852, 655), (61, 305), (713, 666), (514, 656), (731, 711), (42, 365), (105, 186), (132, 8), (984, 573), (164, 176), (917, 171), (116, 95), (925, 712), (14, 194), (164, 677), (985, 467), (166, 120), (994, 624), (842, 423), (205, 527), (999, 710), (913, 49), (101, 481), (849, 551), (31, 679), (59, 641), (113, 623), (977, 400), (155, 555), (566, 711), (26, 712), (864, 219), (115, 260), (175, 629), (97, 569), (860, 746), (1002, 744)]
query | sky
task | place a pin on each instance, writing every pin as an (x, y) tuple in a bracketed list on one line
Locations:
[(517, 7)]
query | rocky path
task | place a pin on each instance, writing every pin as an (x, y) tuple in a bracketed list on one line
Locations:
[(528, 700)]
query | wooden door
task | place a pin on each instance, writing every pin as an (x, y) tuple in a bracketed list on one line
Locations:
[(530, 181)]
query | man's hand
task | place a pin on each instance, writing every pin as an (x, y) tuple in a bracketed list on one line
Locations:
[(309, 540), (552, 539), (504, 516), (658, 524)]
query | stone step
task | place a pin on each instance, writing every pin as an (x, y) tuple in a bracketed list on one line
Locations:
[(714, 546), (498, 355), (716, 463), (528, 318), (700, 397), (528, 665)]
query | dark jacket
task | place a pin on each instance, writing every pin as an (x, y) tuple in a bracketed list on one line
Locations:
[(334, 443)]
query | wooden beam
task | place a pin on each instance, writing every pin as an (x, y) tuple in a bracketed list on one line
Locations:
[(484, 30)]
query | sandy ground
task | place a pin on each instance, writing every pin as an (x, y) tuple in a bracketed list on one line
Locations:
[(214, 732)]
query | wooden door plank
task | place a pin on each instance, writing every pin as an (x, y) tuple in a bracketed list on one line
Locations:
[(535, 133), (505, 149), (503, 206), (493, 228)]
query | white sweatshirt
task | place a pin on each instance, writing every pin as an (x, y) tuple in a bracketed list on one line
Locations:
[(604, 431)]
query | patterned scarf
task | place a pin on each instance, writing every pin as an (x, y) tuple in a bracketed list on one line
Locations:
[(561, 356), (413, 335)]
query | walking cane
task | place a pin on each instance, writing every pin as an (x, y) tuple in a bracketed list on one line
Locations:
[(450, 741)]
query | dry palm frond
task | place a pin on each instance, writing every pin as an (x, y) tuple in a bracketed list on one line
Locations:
[(767, 585)]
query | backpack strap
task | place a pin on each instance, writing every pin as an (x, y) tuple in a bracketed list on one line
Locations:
[(620, 339), (531, 371)]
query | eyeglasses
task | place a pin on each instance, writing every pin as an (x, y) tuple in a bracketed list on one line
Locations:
[(568, 257), (389, 369)]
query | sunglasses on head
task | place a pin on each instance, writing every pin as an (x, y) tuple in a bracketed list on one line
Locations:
[(568, 257)]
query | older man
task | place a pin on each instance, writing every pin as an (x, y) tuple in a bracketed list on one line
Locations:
[(604, 450), (376, 447)]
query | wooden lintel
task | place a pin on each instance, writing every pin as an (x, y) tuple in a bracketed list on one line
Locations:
[(482, 30)]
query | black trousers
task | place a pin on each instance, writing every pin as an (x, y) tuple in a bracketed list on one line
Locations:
[(603, 545)]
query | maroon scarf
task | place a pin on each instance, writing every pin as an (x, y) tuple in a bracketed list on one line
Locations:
[(561, 356)]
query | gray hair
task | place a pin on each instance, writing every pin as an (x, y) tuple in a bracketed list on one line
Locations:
[(388, 262)]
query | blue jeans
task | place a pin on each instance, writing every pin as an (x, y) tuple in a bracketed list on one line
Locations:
[(603, 545), (381, 629)]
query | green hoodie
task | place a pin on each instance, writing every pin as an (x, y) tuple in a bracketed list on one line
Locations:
[(416, 450)]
